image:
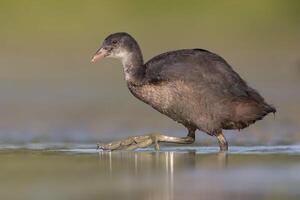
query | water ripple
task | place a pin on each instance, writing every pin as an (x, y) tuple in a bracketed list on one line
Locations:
[(91, 148)]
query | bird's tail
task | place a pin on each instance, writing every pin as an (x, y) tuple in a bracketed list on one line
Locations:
[(248, 112)]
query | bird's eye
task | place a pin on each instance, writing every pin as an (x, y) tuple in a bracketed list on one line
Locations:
[(114, 41)]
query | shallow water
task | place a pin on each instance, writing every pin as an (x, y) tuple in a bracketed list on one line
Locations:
[(71, 171)]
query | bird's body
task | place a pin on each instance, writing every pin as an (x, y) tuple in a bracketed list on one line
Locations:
[(194, 87), (199, 89)]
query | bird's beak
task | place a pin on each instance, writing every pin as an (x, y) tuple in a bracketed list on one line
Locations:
[(101, 53)]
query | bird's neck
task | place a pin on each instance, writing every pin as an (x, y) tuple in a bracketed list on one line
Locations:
[(133, 66)]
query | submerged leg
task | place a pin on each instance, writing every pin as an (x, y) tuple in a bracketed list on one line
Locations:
[(222, 141), (147, 140)]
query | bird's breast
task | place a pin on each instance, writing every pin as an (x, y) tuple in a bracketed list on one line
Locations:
[(158, 96), (170, 98)]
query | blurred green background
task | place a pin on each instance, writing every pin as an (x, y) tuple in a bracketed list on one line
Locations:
[(49, 91)]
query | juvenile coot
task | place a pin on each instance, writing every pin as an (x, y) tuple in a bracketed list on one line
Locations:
[(194, 87)]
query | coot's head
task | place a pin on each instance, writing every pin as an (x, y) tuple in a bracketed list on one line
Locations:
[(116, 45)]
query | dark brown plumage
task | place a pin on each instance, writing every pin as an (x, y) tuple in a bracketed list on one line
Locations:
[(194, 87)]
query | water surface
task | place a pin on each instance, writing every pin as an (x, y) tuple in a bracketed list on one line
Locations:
[(71, 171)]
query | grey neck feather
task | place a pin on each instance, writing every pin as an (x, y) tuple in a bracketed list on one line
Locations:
[(133, 65)]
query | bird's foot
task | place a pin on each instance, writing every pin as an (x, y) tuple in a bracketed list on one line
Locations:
[(128, 143), (222, 141), (144, 141)]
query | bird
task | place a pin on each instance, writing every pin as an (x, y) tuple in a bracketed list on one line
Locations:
[(194, 87)]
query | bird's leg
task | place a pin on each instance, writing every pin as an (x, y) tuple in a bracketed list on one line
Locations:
[(147, 140), (222, 141)]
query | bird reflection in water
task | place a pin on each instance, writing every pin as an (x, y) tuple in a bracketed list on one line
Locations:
[(154, 175)]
